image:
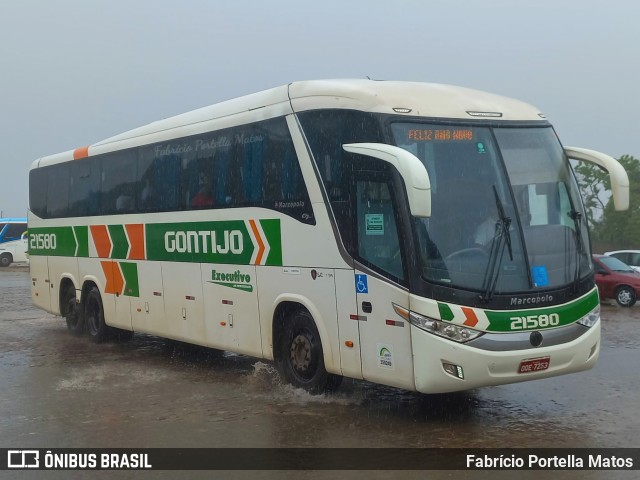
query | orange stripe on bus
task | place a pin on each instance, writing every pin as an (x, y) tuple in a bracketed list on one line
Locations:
[(472, 319), (135, 232), (82, 152), (113, 275), (101, 240), (261, 247)]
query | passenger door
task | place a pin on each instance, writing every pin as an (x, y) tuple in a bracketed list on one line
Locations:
[(385, 338)]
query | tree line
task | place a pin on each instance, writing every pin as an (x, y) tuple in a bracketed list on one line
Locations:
[(610, 229)]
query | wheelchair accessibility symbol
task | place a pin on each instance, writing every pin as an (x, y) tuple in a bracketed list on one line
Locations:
[(361, 284)]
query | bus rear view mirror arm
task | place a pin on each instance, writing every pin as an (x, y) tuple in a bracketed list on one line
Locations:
[(617, 173), (412, 170)]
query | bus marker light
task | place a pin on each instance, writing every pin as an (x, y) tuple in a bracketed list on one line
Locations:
[(80, 153), (403, 312), (453, 370), (395, 323), (224, 324), (484, 114), (349, 343)]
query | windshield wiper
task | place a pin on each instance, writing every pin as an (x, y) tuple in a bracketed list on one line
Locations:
[(501, 239)]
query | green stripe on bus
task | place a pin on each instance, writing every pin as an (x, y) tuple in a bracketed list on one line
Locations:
[(524, 320), (119, 242), (227, 242), (82, 236), (501, 321), (54, 241), (130, 274), (445, 312), (271, 229)]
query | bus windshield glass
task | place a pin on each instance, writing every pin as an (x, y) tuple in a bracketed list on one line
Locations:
[(506, 214)]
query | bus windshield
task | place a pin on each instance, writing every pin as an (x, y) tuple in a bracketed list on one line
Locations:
[(506, 212)]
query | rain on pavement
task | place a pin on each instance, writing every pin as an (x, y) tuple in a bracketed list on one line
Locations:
[(60, 391)]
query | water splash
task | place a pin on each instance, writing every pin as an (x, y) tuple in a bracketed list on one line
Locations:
[(102, 377), (266, 379)]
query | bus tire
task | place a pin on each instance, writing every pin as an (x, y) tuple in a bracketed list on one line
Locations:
[(94, 317), (5, 260), (72, 312), (301, 361)]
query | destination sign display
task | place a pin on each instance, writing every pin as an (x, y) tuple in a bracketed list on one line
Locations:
[(441, 135)]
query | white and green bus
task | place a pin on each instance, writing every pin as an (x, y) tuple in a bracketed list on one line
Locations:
[(422, 236)]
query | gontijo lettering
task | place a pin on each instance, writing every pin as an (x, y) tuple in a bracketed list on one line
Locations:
[(205, 241)]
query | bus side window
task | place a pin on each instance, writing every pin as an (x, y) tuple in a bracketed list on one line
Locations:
[(223, 177), (118, 182), (84, 181), (158, 182), (252, 165), (58, 191)]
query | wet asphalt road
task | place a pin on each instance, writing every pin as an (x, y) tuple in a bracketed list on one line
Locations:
[(60, 391)]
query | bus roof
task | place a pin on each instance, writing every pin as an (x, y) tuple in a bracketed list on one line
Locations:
[(410, 98)]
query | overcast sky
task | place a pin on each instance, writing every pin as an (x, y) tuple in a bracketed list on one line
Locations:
[(75, 72)]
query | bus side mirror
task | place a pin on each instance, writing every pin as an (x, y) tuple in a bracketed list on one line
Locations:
[(411, 169), (617, 174)]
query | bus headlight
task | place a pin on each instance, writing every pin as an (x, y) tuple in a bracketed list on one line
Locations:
[(591, 318), (454, 332)]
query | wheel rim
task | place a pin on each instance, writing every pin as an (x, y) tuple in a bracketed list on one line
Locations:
[(301, 356), (624, 296)]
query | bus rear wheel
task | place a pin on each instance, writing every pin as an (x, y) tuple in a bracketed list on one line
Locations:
[(72, 312), (300, 359), (94, 317)]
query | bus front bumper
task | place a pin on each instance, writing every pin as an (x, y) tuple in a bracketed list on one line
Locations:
[(442, 365)]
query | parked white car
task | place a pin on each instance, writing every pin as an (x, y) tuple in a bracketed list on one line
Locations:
[(15, 251), (630, 257)]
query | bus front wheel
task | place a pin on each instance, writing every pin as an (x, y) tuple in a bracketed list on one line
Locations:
[(94, 317), (301, 360)]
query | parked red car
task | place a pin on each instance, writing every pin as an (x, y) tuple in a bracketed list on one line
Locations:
[(616, 279)]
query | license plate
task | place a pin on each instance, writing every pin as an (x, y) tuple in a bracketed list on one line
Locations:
[(534, 365)]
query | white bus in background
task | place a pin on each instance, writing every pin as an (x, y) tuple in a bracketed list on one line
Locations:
[(13, 241), (423, 236)]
